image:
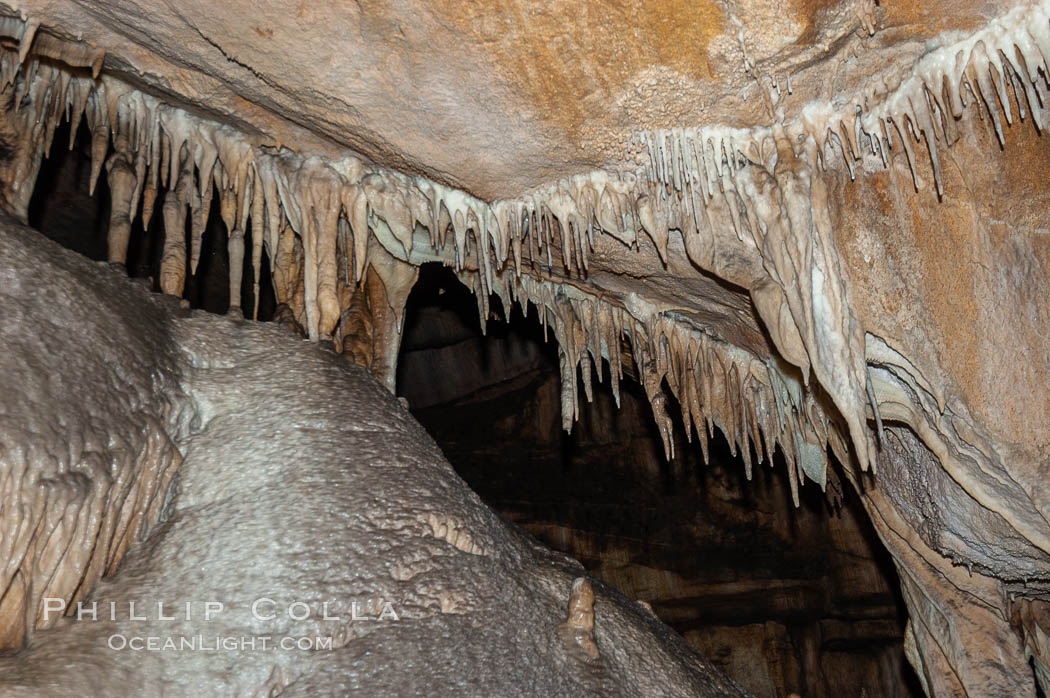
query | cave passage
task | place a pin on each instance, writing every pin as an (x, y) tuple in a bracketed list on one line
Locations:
[(785, 600)]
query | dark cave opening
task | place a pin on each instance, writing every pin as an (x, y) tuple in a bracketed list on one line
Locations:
[(64, 209), (785, 600)]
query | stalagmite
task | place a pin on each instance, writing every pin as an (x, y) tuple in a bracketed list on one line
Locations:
[(580, 623)]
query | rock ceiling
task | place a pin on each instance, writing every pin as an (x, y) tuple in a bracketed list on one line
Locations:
[(807, 221)]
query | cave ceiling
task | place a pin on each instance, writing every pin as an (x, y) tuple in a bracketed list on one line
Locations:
[(497, 98)]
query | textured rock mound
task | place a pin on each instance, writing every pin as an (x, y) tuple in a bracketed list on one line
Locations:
[(305, 490), (86, 454)]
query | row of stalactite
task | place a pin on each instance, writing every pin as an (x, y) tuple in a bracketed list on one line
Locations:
[(328, 226)]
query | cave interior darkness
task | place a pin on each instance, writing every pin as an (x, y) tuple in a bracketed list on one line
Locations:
[(785, 600)]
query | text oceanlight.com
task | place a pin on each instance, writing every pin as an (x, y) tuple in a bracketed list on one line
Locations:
[(216, 643)]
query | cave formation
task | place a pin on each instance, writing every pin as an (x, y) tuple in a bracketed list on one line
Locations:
[(754, 370)]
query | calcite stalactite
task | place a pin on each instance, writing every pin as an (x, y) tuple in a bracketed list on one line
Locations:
[(173, 258), (355, 329), (27, 139), (390, 282), (371, 323), (928, 98), (121, 187), (752, 402)]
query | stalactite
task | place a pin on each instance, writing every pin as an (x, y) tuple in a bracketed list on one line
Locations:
[(285, 273), (783, 194), (173, 257), (121, 188), (257, 217), (713, 382), (391, 280)]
